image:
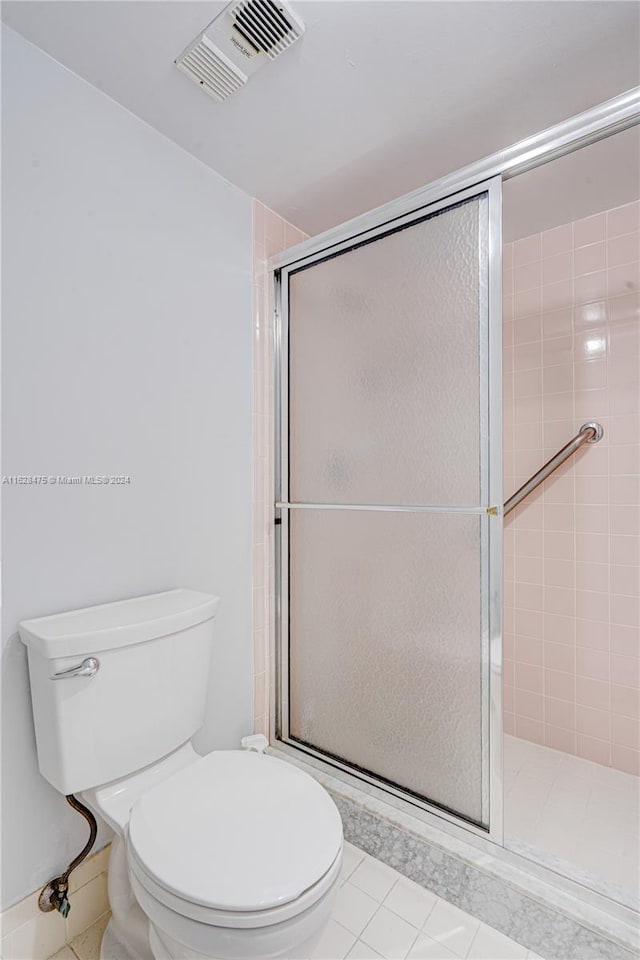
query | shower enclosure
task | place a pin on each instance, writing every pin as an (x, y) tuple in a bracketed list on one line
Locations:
[(388, 488)]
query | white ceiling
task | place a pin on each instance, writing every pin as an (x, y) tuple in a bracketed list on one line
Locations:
[(377, 98)]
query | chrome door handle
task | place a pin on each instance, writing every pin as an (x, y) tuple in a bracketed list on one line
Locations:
[(88, 668)]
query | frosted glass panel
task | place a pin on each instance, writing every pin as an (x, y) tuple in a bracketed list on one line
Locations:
[(385, 647), (384, 367)]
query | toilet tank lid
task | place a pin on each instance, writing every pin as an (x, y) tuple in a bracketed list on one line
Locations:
[(118, 624)]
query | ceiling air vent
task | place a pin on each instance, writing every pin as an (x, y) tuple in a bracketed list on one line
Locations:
[(268, 26), (208, 66), (245, 36)]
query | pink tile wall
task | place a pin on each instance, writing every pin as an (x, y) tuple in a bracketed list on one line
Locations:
[(271, 235), (572, 551)]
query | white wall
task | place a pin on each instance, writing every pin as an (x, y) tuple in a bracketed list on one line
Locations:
[(127, 350)]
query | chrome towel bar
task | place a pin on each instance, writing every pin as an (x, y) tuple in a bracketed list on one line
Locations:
[(589, 433)]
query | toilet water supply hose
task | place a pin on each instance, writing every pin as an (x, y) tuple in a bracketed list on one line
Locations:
[(55, 895)]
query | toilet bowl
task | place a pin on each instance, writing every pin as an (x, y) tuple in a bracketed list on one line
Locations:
[(231, 856)]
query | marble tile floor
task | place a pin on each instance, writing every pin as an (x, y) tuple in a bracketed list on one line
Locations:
[(587, 816), (377, 913)]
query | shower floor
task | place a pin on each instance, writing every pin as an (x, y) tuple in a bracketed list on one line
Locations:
[(561, 808)]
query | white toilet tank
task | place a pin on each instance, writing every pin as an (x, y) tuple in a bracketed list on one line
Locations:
[(141, 694)]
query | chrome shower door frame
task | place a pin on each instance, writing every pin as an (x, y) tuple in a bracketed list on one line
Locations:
[(405, 212)]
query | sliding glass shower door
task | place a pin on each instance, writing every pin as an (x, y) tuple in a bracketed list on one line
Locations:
[(388, 503)]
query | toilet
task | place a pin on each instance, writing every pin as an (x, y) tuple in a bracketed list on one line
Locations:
[(230, 856)]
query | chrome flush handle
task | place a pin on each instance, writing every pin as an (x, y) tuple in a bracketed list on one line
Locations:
[(88, 668)]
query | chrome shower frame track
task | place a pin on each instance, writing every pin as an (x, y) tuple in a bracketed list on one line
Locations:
[(602, 121)]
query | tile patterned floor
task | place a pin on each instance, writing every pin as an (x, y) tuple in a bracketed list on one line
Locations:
[(583, 813), (377, 913), (86, 946)]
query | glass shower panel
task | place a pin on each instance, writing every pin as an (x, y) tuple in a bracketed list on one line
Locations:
[(385, 639), (388, 575), (384, 366)]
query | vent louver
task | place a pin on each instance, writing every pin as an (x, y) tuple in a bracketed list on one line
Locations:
[(241, 40), (211, 69), (268, 26)]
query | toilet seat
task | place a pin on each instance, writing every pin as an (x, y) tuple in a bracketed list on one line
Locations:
[(247, 919), (236, 839)]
